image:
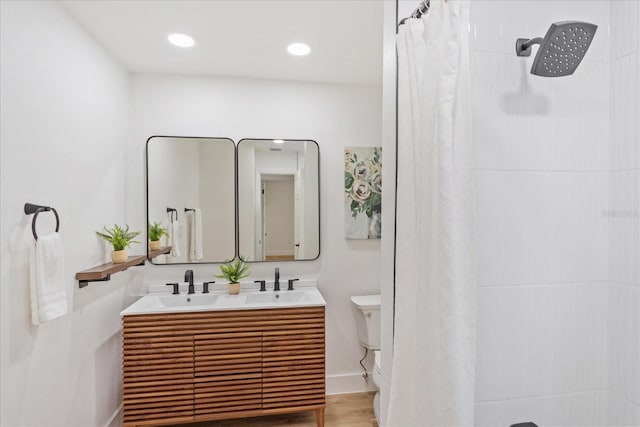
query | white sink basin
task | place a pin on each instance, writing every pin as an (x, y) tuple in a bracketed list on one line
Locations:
[(187, 300), (277, 297), (217, 301)]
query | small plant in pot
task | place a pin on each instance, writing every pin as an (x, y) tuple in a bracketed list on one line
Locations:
[(155, 233), (120, 238), (233, 271)]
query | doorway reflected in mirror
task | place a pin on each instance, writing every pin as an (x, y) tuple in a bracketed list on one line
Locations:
[(278, 199)]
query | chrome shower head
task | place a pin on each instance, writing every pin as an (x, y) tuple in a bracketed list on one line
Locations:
[(561, 50)]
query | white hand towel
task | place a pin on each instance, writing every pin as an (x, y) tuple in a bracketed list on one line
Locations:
[(195, 243), (48, 290), (174, 241)]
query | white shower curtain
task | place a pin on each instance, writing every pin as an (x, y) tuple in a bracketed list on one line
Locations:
[(432, 381)]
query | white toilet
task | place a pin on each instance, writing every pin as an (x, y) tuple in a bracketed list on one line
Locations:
[(367, 309)]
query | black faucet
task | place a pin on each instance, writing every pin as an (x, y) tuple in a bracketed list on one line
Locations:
[(188, 277), (276, 283), (205, 286), (263, 286), (176, 288), (290, 287)]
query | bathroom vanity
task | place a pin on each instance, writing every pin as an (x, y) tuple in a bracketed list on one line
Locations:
[(201, 357)]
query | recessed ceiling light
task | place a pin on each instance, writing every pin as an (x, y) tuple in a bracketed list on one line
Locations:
[(181, 40), (278, 141), (299, 49)]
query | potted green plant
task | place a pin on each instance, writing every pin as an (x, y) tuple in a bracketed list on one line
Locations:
[(155, 233), (120, 238), (233, 271)]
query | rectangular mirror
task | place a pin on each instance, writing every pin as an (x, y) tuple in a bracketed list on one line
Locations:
[(196, 177), (278, 200)]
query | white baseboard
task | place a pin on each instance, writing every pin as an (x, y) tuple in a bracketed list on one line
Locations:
[(349, 383), (116, 418)]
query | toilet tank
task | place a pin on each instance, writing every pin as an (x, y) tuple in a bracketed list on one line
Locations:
[(367, 313)]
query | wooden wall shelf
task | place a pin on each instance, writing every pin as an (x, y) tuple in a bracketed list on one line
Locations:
[(102, 273), (162, 251)]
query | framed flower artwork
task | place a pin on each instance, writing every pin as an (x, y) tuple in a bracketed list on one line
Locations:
[(362, 192)]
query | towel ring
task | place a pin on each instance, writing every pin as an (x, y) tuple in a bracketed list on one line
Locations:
[(30, 208)]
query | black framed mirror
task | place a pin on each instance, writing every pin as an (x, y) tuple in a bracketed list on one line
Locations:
[(191, 194), (278, 199)]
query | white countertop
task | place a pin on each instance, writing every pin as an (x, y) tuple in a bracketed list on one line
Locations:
[(217, 300)]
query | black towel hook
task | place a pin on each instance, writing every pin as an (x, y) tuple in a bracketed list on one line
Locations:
[(170, 211), (189, 210), (30, 208)]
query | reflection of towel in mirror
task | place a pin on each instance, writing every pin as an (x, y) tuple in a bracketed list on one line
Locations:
[(174, 241), (195, 243), (48, 290)]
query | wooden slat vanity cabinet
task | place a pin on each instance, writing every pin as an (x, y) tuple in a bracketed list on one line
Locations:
[(212, 365)]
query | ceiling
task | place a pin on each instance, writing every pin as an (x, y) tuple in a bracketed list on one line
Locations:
[(242, 38)]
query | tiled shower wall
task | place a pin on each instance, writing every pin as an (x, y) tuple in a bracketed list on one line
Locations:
[(624, 217), (542, 160)]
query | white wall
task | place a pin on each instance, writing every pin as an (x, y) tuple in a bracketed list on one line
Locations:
[(217, 190), (311, 227), (249, 206), (276, 162), (624, 217), (333, 115), (174, 181), (64, 117)]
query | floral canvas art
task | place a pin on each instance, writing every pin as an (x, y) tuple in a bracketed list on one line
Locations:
[(362, 192)]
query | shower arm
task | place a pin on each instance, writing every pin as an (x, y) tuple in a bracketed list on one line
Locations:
[(523, 46)]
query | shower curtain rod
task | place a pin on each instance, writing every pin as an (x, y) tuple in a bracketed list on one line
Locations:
[(422, 9)]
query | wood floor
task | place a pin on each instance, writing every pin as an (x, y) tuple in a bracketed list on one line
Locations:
[(343, 410), (279, 257)]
